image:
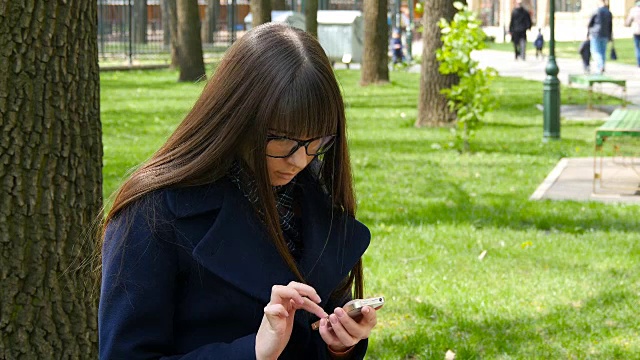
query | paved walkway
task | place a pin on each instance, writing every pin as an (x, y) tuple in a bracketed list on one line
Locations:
[(534, 69)]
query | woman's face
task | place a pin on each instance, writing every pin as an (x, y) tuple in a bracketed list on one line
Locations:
[(283, 170)]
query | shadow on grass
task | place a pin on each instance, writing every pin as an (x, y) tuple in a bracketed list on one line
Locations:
[(453, 205), (598, 327)]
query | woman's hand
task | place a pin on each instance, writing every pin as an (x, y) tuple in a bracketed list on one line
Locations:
[(341, 332), (277, 322)]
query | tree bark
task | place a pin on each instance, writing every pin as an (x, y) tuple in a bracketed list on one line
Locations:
[(166, 22), (173, 32), (140, 21), (50, 176), (432, 105), (375, 68), (210, 21), (311, 17), (260, 11), (280, 5), (189, 45)]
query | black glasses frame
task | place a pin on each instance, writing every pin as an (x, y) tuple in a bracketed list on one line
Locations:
[(300, 144)]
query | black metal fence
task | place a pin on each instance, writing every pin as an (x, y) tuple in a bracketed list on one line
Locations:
[(139, 29)]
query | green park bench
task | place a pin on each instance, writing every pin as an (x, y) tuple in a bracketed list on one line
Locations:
[(622, 124), (590, 80)]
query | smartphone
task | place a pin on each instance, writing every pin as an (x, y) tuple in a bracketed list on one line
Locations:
[(354, 307)]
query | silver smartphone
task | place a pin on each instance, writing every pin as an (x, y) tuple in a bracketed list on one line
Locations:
[(354, 308)]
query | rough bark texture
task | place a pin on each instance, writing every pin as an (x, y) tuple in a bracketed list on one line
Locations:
[(50, 178), (432, 105), (189, 45), (140, 21), (260, 11), (209, 23), (375, 68), (311, 17)]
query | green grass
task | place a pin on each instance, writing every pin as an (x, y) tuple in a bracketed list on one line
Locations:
[(560, 278), (569, 49)]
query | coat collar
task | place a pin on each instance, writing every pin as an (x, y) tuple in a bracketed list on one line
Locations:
[(237, 249)]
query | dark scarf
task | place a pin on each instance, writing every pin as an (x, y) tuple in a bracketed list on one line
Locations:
[(243, 178)]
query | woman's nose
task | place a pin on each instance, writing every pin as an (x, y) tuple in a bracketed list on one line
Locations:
[(300, 159)]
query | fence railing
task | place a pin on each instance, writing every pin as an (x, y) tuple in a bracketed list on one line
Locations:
[(134, 30)]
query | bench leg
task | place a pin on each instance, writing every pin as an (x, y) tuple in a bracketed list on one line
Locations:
[(589, 95), (624, 96)]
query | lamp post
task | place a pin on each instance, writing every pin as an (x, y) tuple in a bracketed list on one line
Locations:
[(551, 85)]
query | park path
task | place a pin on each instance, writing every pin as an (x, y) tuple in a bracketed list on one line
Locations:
[(534, 69)]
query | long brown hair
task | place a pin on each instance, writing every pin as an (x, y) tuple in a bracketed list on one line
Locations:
[(273, 77)]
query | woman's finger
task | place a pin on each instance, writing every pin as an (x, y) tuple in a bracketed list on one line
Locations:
[(305, 290), (341, 333)]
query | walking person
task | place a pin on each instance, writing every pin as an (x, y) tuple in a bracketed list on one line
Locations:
[(539, 44), (634, 18), (518, 26), (239, 232), (600, 33)]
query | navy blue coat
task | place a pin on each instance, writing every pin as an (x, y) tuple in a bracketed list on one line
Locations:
[(187, 272)]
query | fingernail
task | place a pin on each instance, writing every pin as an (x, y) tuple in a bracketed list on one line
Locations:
[(365, 310), (333, 319), (323, 322), (340, 312)]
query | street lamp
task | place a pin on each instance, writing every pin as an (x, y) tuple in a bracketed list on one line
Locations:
[(551, 93)]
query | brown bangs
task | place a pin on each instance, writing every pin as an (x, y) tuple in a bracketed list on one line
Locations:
[(309, 106)]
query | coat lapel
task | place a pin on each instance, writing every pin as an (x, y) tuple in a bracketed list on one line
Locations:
[(333, 242), (237, 249)]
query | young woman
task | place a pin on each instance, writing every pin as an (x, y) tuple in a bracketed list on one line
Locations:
[(239, 232)]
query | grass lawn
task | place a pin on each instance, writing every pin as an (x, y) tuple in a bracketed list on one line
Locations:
[(560, 279), (569, 49)]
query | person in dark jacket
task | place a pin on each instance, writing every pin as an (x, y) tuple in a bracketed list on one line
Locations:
[(518, 26), (539, 44), (239, 232), (600, 33)]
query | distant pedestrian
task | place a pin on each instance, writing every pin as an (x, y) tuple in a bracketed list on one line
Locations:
[(518, 26), (539, 44), (634, 17), (585, 54), (396, 47), (600, 30)]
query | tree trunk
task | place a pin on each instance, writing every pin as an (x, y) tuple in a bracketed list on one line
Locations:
[(166, 22), (260, 11), (173, 32), (311, 17), (375, 68), (210, 20), (140, 21), (279, 5), (432, 105), (189, 45), (51, 176)]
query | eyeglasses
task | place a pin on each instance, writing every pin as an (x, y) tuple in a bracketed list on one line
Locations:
[(282, 146)]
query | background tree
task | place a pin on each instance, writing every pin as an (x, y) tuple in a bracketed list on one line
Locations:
[(260, 12), (311, 17), (189, 44), (279, 5), (432, 104), (140, 21), (210, 21), (172, 18), (51, 176), (375, 68)]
